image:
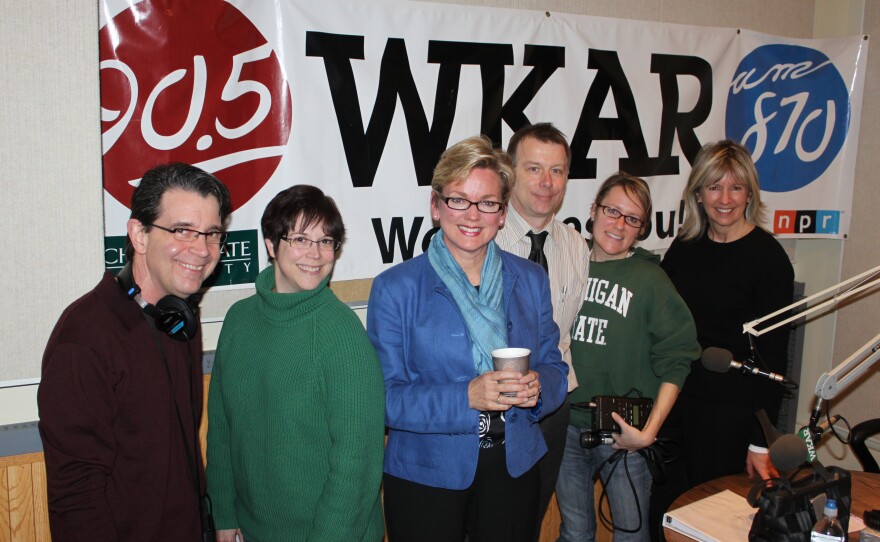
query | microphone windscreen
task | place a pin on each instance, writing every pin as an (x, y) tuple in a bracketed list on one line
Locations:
[(717, 359), (788, 452)]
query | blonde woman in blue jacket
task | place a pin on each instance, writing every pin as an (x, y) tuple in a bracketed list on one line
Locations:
[(461, 458)]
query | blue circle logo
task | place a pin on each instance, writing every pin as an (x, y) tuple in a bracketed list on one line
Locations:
[(790, 107)]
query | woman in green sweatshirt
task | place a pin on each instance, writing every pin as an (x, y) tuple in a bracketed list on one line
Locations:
[(634, 336)]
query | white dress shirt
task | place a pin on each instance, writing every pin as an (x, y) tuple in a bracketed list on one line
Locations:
[(568, 261)]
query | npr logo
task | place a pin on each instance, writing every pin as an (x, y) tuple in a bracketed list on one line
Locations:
[(824, 222)]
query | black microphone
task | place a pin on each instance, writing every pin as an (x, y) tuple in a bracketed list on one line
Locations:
[(720, 360), (788, 452)]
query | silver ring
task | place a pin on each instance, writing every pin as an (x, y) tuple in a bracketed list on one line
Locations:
[(498, 399)]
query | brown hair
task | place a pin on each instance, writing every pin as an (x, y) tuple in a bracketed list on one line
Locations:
[(544, 132)]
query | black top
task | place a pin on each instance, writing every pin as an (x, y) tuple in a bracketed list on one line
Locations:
[(726, 285)]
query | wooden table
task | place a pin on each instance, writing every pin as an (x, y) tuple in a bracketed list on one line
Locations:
[(865, 495)]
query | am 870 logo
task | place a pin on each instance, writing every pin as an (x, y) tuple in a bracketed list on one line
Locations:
[(790, 106), (194, 82)]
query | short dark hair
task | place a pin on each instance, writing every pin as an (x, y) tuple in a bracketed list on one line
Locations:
[(544, 132), (301, 205), (146, 201)]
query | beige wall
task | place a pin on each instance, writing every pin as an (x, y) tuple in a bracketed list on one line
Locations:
[(51, 209), (859, 322), (50, 181)]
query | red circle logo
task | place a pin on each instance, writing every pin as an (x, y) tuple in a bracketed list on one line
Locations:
[(192, 82)]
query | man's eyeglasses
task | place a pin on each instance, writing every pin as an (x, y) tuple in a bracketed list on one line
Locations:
[(188, 235), (462, 204), (304, 243), (614, 214)]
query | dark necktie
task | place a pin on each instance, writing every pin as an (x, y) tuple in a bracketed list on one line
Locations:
[(537, 253)]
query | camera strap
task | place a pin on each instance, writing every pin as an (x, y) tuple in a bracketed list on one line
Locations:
[(659, 455), (655, 461), (613, 461)]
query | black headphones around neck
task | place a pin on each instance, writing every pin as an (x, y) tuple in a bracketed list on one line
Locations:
[(173, 316)]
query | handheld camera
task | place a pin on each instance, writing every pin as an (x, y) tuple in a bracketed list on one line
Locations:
[(634, 411)]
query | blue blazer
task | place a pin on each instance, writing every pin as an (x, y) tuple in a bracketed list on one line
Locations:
[(425, 351)]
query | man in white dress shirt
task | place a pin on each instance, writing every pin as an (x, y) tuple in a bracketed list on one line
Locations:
[(541, 156)]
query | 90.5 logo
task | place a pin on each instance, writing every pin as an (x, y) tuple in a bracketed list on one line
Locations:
[(193, 82), (790, 106)]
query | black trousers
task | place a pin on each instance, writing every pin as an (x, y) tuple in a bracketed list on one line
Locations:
[(496, 507), (675, 480)]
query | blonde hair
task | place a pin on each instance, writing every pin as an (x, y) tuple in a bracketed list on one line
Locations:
[(713, 163), (476, 152)]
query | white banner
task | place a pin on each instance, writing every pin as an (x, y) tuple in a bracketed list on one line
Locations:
[(361, 98)]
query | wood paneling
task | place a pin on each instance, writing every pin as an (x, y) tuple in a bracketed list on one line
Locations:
[(23, 513), (5, 529), (41, 506), (21, 502)]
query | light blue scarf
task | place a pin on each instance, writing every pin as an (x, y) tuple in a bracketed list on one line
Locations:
[(483, 308)]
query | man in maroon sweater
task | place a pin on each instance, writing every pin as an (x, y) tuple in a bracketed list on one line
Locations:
[(120, 399)]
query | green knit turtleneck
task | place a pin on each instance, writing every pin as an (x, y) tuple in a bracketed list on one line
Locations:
[(296, 419), (288, 309)]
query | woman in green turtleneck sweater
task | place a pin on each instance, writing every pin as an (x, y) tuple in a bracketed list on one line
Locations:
[(296, 405)]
